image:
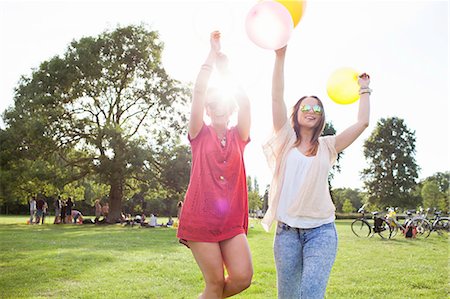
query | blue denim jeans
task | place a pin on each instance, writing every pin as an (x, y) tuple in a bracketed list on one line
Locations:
[(304, 258)]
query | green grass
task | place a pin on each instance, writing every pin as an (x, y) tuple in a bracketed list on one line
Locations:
[(68, 261)]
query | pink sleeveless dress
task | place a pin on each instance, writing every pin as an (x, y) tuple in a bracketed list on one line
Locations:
[(216, 202)]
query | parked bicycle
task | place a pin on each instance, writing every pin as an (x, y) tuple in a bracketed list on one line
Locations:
[(422, 224), (363, 229), (413, 227), (440, 224)]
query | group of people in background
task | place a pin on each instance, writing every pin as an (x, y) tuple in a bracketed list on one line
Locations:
[(38, 210), (64, 211), (141, 220)]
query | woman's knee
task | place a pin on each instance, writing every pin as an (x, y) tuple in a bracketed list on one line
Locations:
[(244, 279), (216, 283)]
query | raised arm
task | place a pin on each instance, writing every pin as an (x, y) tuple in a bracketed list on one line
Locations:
[(201, 86), (279, 112), (244, 118), (344, 139)]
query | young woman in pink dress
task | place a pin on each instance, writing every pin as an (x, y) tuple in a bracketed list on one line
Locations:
[(214, 218)]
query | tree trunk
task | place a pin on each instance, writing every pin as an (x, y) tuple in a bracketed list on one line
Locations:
[(116, 180), (116, 191), (115, 201)]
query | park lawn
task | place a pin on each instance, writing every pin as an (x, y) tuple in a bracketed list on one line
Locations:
[(111, 261)]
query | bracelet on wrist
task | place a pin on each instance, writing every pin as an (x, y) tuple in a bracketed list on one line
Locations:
[(206, 67), (364, 90)]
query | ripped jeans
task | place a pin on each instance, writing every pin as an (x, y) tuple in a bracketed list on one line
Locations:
[(303, 259)]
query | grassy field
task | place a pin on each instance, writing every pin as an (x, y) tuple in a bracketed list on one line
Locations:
[(68, 261)]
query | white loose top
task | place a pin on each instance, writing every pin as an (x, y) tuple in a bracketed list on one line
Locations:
[(297, 167)]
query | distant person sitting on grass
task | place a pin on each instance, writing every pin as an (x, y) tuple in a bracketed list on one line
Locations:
[(122, 218), (143, 218), (143, 222), (77, 217), (128, 220), (137, 220), (153, 222), (170, 221)]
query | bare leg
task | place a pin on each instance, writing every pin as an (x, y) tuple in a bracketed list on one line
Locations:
[(238, 262), (209, 259)]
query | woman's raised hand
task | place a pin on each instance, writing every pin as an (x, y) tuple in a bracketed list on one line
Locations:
[(215, 41), (364, 80), (281, 51)]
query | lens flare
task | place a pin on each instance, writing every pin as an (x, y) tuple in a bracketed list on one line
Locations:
[(222, 206)]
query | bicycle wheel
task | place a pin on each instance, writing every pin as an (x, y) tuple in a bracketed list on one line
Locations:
[(442, 226), (394, 229), (423, 228), (361, 228), (384, 230)]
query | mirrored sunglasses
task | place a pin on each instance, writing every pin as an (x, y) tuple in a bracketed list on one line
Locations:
[(213, 105), (306, 108)]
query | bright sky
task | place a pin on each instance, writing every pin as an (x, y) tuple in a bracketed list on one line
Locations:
[(403, 45)]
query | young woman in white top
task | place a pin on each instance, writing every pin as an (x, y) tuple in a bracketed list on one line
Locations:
[(299, 199)]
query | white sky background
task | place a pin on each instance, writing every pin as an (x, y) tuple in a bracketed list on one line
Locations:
[(403, 45)]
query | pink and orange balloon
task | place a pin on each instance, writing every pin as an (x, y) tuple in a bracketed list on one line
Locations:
[(269, 25)]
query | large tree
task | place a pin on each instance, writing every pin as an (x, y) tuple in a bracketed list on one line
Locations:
[(442, 179), (330, 130), (254, 199), (435, 192), (432, 197), (99, 107), (392, 172), (340, 195)]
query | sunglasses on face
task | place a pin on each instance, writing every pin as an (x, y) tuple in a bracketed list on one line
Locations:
[(306, 108), (213, 105)]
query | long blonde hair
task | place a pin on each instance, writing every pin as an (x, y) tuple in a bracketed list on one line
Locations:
[(317, 130)]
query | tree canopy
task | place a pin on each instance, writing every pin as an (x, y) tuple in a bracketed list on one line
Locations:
[(434, 191), (104, 109), (391, 175)]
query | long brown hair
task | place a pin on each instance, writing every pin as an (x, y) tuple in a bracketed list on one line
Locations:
[(317, 130)]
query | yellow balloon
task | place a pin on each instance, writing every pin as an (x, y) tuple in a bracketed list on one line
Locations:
[(343, 87), (295, 7)]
